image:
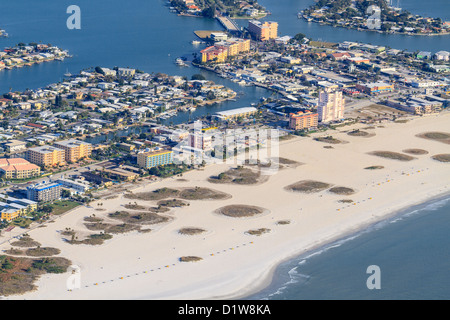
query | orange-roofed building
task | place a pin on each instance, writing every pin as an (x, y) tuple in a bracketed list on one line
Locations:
[(214, 53), (18, 168), (303, 120)]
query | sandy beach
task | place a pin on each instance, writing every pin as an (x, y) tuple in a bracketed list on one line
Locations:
[(234, 263)]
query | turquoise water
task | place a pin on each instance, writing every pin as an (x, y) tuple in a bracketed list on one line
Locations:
[(412, 251)]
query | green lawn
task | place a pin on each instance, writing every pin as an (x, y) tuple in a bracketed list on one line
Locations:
[(60, 207)]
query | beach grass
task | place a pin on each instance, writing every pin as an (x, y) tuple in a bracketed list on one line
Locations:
[(392, 155), (308, 186), (328, 139), (342, 191), (257, 232), (416, 152), (442, 157), (191, 231), (240, 211), (443, 137), (42, 252), (25, 242), (190, 259)]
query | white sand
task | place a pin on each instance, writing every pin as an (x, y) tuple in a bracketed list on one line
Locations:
[(241, 263)]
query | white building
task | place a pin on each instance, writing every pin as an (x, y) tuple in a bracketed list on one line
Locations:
[(442, 55), (77, 186), (331, 106)]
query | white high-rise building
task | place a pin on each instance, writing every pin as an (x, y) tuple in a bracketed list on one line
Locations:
[(331, 106)]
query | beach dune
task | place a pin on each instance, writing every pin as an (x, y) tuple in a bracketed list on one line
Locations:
[(235, 263)]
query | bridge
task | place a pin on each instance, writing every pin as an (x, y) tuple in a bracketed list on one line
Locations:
[(229, 25)]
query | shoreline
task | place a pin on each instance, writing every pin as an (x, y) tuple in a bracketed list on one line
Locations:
[(377, 31), (269, 276), (234, 264)]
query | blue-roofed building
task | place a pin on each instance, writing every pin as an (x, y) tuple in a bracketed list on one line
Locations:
[(45, 191)]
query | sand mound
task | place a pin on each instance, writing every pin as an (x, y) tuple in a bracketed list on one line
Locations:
[(392, 155), (240, 211), (144, 218), (328, 139), (42, 252), (258, 232), (360, 133), (342, 191), (190, 231), (442, 157), (25, 242), (239, 175), (443, 137), (308, 186), (190, 259), (195, 193), (417, 152)]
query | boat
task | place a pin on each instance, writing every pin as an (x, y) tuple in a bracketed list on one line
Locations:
[(180, 62), (196, 42), (67, 74)]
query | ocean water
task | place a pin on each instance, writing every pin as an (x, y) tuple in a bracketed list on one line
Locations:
[(411, 249), (412, 252), (147, 36)]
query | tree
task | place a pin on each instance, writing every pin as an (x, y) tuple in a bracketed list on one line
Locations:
[(198, 76), (65, 193), (99, 70)]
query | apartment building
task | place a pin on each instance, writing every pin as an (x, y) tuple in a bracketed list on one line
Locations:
[(303, 120), (331, 106), (74, 149), (45, 191), (263, 31), (152, 159), (12, 208), (47, 156), (217, 54), (200, 141), (18, 168)]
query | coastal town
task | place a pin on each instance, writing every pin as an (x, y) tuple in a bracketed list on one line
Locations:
[(209, 8), (386, 17), (91, 139), (28, 55), (317, 86)]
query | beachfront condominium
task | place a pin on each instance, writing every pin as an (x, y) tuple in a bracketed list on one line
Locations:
[(74, 149), (12, 208), (44, 191), (152, 159), (200, 141), (18, 168), (331, 106), (236, 46), (47, 156), (224, 49), (217, 54), (263, 31), (303, 120)]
